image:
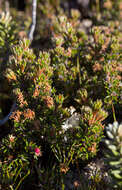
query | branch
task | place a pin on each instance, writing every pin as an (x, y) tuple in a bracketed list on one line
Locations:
[(33, 24), (5, 119)]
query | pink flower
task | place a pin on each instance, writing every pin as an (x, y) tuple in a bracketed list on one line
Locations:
[(37, 152)]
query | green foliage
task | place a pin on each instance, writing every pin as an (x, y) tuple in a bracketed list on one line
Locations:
[(85, 68), (114, 153), (40, 115), (8, 38), (13, 173), (8, 34), (115, 7), (62, 96)]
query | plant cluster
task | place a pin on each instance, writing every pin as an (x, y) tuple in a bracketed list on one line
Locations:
[(114, 153), (87, 67), (62, 96), (8, 38)]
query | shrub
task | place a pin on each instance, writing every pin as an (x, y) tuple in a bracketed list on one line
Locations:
[(61, 96), (8, 34), (8, 38), (30, 87), (88, 67)]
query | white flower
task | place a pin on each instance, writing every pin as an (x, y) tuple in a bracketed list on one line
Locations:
[(66, 126), (72, 121)]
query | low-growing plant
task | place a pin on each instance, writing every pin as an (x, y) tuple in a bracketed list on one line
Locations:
[(8, 34), (87, 68), (61, 97), (39, 117), (8, 38), (29, 79), (113, 154), (115, 8)]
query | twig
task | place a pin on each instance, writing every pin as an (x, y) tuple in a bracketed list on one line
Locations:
[(113, 110), (33, 24), (7, 6), (5, 119)]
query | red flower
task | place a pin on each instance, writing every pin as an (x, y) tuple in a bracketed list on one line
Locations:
[(37, 152)]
